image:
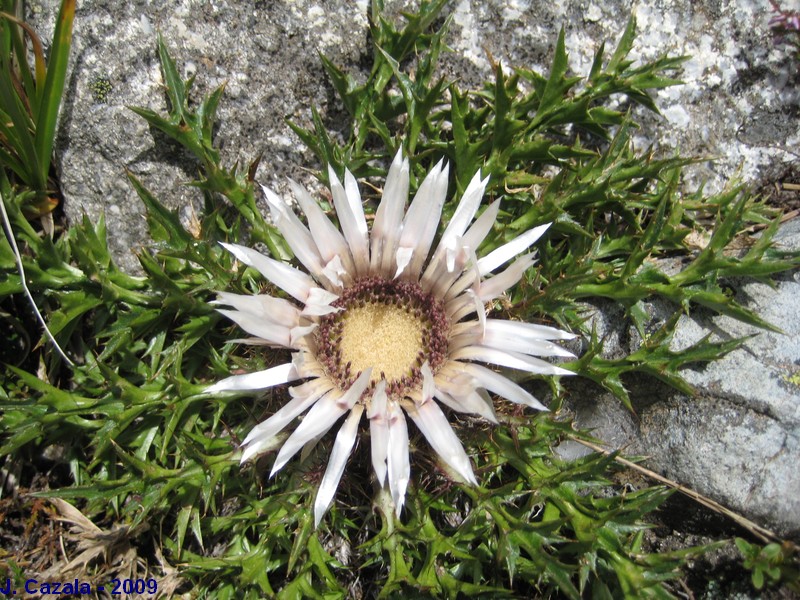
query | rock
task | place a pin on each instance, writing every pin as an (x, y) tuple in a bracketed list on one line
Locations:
[(737, 103), (738, 439), (266, 54), (739, 92)]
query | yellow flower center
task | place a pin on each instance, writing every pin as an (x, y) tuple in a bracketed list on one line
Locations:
[(385, 337), (390, 326)]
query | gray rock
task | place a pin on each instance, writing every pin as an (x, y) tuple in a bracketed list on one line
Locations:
[(266, 54), (740, 88), (736, 106), (738, 440), (730, 452)]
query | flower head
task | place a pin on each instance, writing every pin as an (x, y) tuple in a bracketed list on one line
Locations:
[(385, 328)]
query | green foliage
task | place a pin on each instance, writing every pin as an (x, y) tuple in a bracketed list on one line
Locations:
[(770, 564), (29, 100), (148, 449), (550, 525), (148, 446), (192, 128)]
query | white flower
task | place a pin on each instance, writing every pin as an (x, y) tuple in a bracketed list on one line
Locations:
[(384, 327)]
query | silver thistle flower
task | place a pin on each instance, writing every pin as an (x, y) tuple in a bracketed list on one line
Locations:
[(384, 327)]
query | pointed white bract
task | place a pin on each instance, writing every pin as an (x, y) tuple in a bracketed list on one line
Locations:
[(272, 309), (508, 251), (303, 396), (379, 431), (360, 287), (347, 202), (333, 474), (259, 380), (434, 426), (398, 461), (422, 220), (295, 283), (388, 221)]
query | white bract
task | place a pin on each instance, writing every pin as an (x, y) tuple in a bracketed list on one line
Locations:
[(385, 328)]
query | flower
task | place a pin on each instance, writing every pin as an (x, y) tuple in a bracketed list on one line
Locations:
[(384, 327)]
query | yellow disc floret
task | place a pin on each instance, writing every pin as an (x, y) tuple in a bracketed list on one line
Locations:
[(385, 337), (390, 326)]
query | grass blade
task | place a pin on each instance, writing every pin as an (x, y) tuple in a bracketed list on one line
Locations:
[(50, 100)]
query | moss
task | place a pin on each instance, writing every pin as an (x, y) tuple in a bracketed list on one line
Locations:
[(101, 88)]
